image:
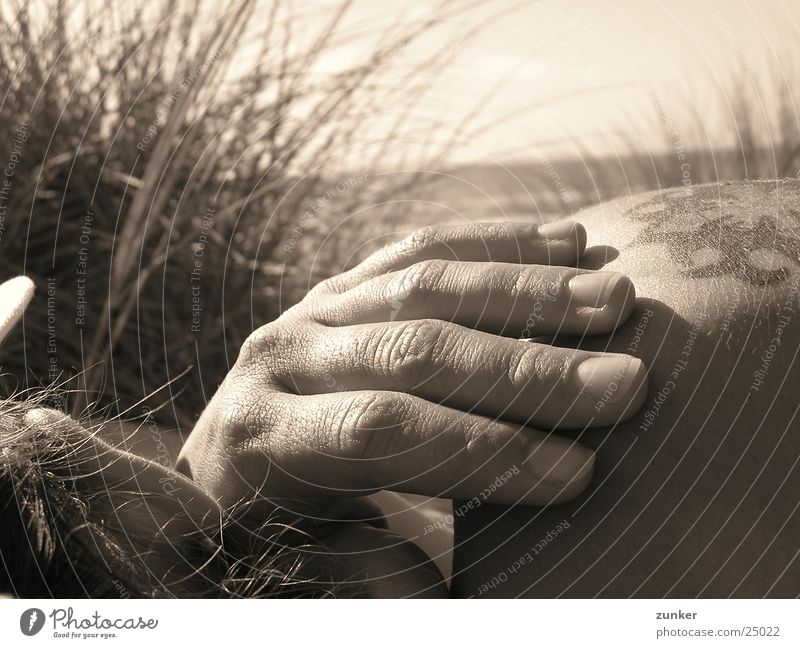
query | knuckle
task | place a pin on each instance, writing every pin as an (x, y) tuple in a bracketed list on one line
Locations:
[(263, 341), (546, 295), (417, 280), (243, 422), (366, 426), (490, 438), (332, 285), (230, 459), (406, 350), (422, 238), (493, 231), (538, 364), (480, 441), (527, 281), (272, 351)]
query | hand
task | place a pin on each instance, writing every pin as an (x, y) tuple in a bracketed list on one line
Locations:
[(404, 374)]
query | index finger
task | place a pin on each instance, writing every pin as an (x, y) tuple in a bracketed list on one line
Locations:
[(561, 243)]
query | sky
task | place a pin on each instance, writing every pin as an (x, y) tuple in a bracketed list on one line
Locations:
[(556, 78), (563, 78)]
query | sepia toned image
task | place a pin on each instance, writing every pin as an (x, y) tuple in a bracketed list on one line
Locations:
[(356, 300)]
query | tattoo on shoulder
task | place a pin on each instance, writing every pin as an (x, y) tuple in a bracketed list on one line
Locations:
[(748, 230)]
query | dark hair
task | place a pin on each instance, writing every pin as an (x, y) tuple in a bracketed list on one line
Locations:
[(57, 540)]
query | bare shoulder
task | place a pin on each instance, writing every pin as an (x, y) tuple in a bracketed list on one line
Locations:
[(745, 231)]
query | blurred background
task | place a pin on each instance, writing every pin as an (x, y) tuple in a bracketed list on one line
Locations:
[(179, 172)]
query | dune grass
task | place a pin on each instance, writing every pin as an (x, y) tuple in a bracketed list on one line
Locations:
[(169, 173), (171, 164)]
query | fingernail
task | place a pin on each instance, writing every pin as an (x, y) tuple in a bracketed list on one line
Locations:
[(564, 462), (560, 230), (598, 289), (611, 377)]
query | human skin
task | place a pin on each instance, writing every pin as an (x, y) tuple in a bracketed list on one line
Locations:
[(698, 493), (348, 393), (392, 376), (405, 374)]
